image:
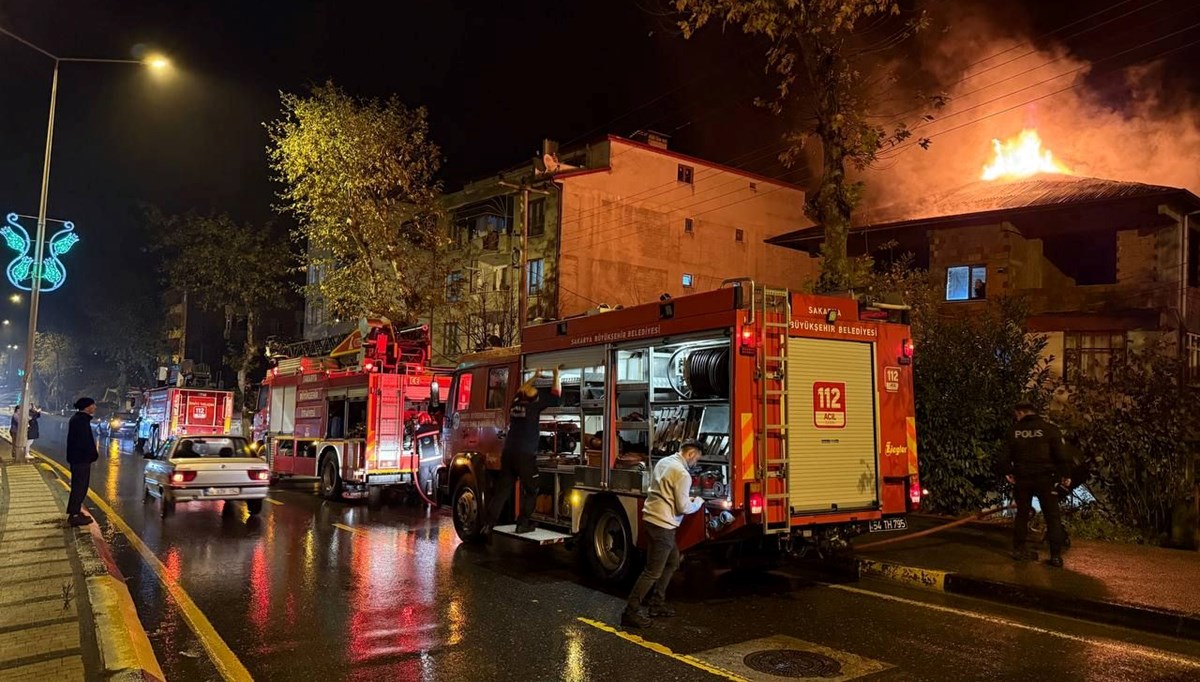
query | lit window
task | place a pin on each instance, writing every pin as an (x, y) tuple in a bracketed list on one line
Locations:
[(454, 286), (685, 174), (966, 283), (537, 275), (537, 217), (688, 226), (1090, 354), (687, 279)]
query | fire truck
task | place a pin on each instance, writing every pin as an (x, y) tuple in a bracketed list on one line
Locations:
[(186, 412), (804, 405), (350, 413)]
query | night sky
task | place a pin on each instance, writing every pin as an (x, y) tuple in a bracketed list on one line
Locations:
[(497, 77)]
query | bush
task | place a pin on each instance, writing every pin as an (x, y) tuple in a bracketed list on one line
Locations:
[(1091, 522), (1136, 431)]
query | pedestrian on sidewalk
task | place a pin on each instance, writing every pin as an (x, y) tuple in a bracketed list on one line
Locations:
[(1035, 462), (81, 453), (33, 431), (518, 459), (666, 505)]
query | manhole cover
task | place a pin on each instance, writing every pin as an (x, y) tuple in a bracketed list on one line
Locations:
[(793, 663)]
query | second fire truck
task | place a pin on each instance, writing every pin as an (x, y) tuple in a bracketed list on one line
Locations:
[(350, 414), (804, 405)]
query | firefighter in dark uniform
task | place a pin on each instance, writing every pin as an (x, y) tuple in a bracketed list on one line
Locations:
[(518, 459), (1035, 462)]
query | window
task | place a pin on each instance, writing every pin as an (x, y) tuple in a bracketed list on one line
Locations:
[(491, 241), (451, 339), (536, 275), (966, 283), (1090, 354), (1193, 258), (1192, 346), (689, 226), (537, 218), (462, 398), (454, 286), (687, 279), (684, 174), (739, 235), (497, 393)]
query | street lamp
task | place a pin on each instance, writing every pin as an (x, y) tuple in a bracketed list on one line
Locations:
[(155, 62), (15, 298)]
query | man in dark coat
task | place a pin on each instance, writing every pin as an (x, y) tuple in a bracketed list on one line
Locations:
[(81, 452), (1035, 463), (34, 431)]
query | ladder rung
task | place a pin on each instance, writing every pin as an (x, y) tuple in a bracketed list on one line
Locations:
[(776, 324), (777, 358)]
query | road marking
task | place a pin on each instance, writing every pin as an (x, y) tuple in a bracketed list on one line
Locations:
[(351, 529), (665, 651), (223, 658), (924, 578), (1122, 647), (269, 500)]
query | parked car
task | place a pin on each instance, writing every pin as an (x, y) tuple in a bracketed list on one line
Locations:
[(197, 468), (120, 425)]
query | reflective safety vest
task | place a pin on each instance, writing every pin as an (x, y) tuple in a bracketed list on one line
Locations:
[(145, 428)]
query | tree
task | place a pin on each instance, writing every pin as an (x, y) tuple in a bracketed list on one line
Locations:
[(359, 175), (1138, 426), (126, 334), (241, 271), (56, 366), (821, 60)]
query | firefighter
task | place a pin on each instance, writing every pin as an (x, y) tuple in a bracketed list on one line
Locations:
[(145, 428), (518, 459), (1035, 462)]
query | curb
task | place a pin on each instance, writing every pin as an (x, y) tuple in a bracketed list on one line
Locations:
[(1113, 613)]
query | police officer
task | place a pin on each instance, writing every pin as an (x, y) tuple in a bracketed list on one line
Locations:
[(1034, 463)]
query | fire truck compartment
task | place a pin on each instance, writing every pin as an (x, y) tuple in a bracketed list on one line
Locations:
[(832, 448)]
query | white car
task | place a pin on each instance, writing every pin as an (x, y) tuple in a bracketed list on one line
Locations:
[(191, 468)]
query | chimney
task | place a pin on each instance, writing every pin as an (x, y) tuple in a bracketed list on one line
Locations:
[(652, 138), (549, 146)]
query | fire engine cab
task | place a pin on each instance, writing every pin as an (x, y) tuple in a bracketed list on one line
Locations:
[(350, 414), (804, 405)]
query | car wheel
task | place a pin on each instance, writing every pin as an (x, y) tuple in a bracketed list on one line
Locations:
[(608, 543), (331, 481), (374, 497), (254, 507), (468, 510), (167, 505), (147, 495)]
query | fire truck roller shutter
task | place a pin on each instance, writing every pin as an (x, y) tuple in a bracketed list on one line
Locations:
[(283, 409), (592, 356), (832, 448)]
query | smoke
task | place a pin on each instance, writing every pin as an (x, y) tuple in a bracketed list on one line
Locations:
[(1099, 119)]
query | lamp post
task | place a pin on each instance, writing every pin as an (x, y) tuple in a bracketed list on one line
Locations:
[(20, 440)]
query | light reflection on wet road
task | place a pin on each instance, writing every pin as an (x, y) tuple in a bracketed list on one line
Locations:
[(397, 597)]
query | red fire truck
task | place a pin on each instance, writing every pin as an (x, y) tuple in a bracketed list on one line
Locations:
[(186, 412), (351, 413), (804, 405)]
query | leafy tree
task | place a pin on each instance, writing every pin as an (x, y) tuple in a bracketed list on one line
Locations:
[(359, 175), (822, 61), (126, 334), (56, 366), (1138, 428), (239, 270)]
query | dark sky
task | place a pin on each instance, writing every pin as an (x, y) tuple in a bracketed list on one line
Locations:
[(497, 77)]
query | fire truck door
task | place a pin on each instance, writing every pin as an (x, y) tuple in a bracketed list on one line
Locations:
[(832, 451)]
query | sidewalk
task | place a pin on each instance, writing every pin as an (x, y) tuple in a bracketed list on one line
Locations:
[(1148, 588), (65, 613)]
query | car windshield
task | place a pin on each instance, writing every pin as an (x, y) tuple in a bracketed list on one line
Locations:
[(216, 446)]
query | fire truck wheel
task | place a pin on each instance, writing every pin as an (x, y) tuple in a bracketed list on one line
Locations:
[(467, 510), (254, 507), (374, 497), (608, 543), (331, 482)]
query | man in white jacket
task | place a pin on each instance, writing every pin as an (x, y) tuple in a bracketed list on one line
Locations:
[(666, 505)]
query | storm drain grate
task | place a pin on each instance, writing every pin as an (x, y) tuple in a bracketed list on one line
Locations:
[(792, 663)]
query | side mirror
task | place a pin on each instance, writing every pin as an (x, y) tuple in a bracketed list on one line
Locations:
[(435, 395)]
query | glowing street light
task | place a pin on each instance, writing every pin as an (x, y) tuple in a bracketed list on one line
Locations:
[(6, 323), (154, 62), (15, 298)]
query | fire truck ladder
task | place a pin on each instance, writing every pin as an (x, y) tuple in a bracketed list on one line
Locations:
[(776, 310)]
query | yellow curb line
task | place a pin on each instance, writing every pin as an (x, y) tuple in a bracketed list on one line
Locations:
[(665, 651), (270, 501), (351, 529), (122, 647), (223, 658), (924, 578)]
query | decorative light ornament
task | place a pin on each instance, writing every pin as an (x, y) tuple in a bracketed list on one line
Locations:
[(21, 270)]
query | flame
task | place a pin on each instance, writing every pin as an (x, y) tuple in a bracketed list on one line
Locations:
[(1021, 157)]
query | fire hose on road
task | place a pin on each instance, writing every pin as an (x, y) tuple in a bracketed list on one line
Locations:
[(945, 526)]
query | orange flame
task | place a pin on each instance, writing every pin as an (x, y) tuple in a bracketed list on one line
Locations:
[(1021, 157)]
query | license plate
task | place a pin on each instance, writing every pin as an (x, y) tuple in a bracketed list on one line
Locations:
[(222, 491), (883, 525)]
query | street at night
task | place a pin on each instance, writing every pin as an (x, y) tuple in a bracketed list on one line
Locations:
[(335, 591)]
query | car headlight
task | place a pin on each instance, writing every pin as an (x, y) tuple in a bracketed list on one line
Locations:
[(116, 423)]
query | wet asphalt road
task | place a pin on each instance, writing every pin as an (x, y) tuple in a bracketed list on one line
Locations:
[(393, 595)]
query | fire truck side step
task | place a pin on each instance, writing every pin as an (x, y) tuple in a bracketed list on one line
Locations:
[(783, 325), (540, 536)]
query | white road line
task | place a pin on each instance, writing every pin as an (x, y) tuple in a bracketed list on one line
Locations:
[(1121, 647)]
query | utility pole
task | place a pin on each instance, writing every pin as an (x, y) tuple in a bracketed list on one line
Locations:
[(524, 188)]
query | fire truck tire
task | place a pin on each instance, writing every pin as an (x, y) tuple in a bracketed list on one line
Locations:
[(375, 497), (608, 543), (331, 481), (467, 509), (254, 507)]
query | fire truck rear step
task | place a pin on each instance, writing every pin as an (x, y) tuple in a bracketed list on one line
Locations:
[(540, 536)]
